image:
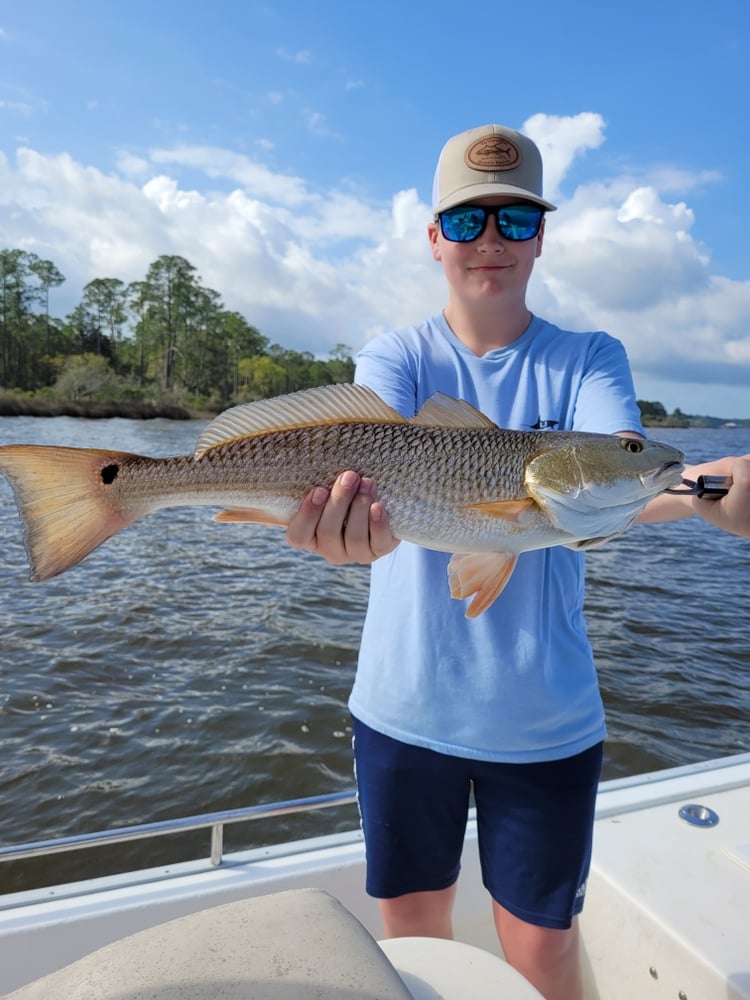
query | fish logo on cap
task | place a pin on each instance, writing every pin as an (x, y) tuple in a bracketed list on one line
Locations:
[(492, 153)]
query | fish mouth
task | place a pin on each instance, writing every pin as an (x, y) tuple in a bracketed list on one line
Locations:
[(667, 475)]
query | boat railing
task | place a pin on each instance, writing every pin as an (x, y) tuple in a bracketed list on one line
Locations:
[(214, 821)]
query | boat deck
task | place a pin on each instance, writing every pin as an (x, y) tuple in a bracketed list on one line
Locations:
[(667, 911)]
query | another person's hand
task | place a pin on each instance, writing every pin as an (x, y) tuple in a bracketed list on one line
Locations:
[(732, 512), (345, 524)]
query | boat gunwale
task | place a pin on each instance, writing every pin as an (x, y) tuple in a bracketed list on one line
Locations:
[(617, 795)]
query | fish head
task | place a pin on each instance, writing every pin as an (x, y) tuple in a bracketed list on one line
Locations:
[(593, 485)]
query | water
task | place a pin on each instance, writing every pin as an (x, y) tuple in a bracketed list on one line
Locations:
[(188, 666)]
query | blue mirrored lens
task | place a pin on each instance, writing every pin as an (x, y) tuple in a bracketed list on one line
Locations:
[(519, 222), (461, 225), (466, 222)]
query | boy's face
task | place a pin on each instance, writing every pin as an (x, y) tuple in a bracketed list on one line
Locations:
[(489, 266)]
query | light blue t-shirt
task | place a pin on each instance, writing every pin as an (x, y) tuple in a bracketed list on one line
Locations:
[(518, 683)]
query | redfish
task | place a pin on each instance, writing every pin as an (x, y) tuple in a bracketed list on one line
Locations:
[(449, 478)]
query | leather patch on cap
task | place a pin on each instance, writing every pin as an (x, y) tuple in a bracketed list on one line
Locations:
[(493, 152)]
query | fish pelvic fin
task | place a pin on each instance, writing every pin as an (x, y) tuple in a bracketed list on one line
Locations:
[(481, 575), (250, 515), (63, 503)]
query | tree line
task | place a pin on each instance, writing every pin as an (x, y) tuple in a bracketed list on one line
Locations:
[(166, 341), (166, 338)]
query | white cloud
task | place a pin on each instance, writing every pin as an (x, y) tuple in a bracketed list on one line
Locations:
[(560, 141), (312, 268), (132, 166), (254, 177), (622, 255)]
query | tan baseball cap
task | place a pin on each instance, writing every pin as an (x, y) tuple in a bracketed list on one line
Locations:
[(488, 160)]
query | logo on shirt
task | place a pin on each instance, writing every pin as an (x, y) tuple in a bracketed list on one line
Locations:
[(544, 425)]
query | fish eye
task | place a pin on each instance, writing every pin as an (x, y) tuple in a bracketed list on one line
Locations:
[(633, 445)]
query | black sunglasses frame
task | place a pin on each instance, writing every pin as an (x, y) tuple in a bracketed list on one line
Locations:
[(492, 211)]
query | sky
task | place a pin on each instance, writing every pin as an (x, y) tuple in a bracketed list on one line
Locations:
[(287, 151)]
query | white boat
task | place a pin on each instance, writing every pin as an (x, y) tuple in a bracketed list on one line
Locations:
[(667, 912)]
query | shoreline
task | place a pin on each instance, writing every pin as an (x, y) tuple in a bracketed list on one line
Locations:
[(11, 407), (21, 406)]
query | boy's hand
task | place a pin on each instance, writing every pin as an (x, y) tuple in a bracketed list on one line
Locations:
[(344, 525)]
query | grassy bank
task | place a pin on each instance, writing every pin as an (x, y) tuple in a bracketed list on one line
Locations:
[(15, 405)]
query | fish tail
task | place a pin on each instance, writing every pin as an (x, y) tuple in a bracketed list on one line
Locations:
[(65, 509)]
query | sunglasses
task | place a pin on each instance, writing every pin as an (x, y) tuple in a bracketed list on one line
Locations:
[(465, 223)]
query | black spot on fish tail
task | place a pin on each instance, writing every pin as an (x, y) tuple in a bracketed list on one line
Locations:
[(109, 474)]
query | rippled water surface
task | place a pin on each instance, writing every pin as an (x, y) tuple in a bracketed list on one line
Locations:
[(188, 666)]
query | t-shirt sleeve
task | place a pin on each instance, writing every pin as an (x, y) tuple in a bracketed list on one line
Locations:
[(385, 366), (606, 403)]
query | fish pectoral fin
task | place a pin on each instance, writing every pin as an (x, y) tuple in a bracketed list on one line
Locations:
[(509, 510), (481, 575), (249, 515)]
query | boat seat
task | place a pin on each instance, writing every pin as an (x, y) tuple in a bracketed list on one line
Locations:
[(434, 969), (300, 944), (295, 945)]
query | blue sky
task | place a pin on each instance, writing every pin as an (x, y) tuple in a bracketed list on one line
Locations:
[(287, 149)]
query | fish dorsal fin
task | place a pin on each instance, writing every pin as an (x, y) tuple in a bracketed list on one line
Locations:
[(328, 404), (445, 411)]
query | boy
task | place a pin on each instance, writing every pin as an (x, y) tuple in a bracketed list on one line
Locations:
[(506, 705)]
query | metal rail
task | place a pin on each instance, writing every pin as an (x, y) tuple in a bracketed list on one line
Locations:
[(215, 821)]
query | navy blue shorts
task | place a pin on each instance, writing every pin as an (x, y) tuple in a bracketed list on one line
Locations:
[(534, 821)]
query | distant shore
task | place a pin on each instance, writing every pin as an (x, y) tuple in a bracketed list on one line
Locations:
[(17, 405), (23, 406)]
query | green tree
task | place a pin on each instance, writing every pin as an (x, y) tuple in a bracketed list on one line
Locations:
[(137, 298), (260, 377), (166, 333), (48, 277), (341, 364), (241, 342), (296, 364), (85, 375), (197, 364), (104, 312), (653, 411), (25, 336), (16, 299), (184, 337), (166, 301)]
